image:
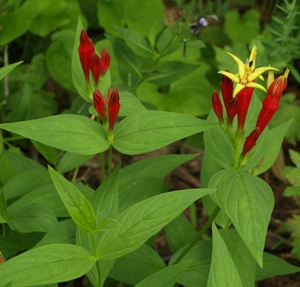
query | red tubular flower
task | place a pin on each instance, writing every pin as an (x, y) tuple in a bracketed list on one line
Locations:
[(270, 106), (227, 89), (96, 67), (229, 102), (271, 102), (105, 61), (113, 107), (250, 141), (217, 105), (99, 104), (231, 109), (85, 50), (244, 99)]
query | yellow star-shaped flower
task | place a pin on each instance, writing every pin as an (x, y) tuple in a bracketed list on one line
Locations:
[(246, 73)]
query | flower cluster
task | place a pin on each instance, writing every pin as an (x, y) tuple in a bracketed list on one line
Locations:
[(97, 66), (237, 99)]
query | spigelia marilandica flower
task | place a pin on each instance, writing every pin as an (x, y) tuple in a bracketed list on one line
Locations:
[(247, 74), (86, 50), (113, 103), (99, 104), (217, 105), (91, 61), (269, 107)]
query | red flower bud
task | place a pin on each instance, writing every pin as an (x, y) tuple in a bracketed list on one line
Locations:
[(99, 104), (217, 105), (251, 140), (96, 67), (231, 109), (244, 99), (105, 61), (113, 107), (85, 50)]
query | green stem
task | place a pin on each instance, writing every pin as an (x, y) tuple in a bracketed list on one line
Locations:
[(10, 139), (102, 162), (75, 174), (198, 235), (109, 162), (94, 247)]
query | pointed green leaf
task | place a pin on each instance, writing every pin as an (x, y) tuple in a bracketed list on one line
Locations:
[(196, 274), (77, 205), (144, 219), (274, 142), (248, 201), (223, 272), (5, 70), (169, 72), (166, 277), (63, 232), (71, 160), (72, 133), (129, 104), (274, 266), (45, 265), (179, 232), (47, 152), (30, 218), (150, 130), (137, 265), (241, 256), (136, 42)]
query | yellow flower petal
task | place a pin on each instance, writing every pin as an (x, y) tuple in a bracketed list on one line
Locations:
[(232, 77), (258, 72), (241, 65), (237, 89), (255, 85)]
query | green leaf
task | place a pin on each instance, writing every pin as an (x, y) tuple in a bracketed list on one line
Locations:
[(169, 72), (144, 219), (137, 42), (18, 22), (288, 110), (129, 104), (157, 166), (51, 16), (77, 205), (244, 29), (47, 152), (150, 130), (179, 232), (274, 266), (63, 232), (5, 70), (63, 262), (295, 157), (34, 217), (248, 201), (137, 265), (87, 136), (59, 59), (71, 160), (137, 17), (223, 272), (274, 143), (128, 61), (140, 189), (105, 204), (166, 277), (241, 256), (3, 207), (196, 274)]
